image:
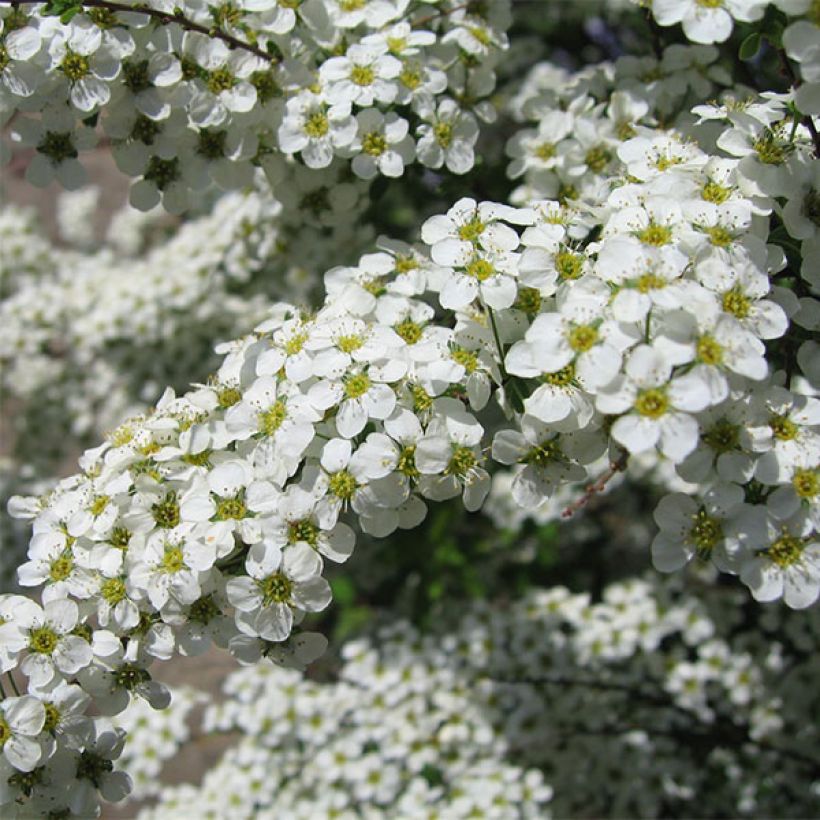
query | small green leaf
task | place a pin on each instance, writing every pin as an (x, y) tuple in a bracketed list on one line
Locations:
[(750, 46)]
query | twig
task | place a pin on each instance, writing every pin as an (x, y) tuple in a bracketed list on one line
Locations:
[(165, 18), (443, 13), (615, 467)]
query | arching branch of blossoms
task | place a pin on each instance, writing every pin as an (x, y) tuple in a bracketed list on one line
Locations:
[(166, 19)]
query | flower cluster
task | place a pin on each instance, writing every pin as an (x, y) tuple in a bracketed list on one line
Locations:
[(201, 95), (462, 722), (644, 300)]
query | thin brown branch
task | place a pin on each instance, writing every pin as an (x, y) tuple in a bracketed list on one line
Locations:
[(615, 467), (166, 19), (443, 13)]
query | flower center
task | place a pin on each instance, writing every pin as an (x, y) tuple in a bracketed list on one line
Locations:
[(303, 530), (737, 303), (786, 550), (409, 331), (723, 437), (547, 452), (470, 231), (650, 281), (374, 143), (202, 459), (582, 337), (220, 79), (204, 610), (652, 403), (228, 397), (343, 485), (706, 533), (529, 301), (783, 428), (560, 378), (316, 125), (407, 461), (295, 343), (480, 269), (545, 151), (466, 358), (569, 265), (57, 146), (98, 505), (211, 144), (349, 343), (655, 235), (806, 483), (410, 76), (271, 420), (113, 590), (356, 386), (598, 158), (166, 512), (43, 640), (129, 676), (422, 400), (709, 351), (362, 75), (92, 767), (719, 236), (60, 568), (162, 172), (461, 461), (231, 509), (769, 151), (173, 561), (712, 192), (74, 66), (52, 717), (265, 84), (135, 75), (443, 132), (275, 589)]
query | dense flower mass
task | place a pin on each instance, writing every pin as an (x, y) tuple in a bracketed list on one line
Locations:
[(203, 94), (464, 722), (643, 299)]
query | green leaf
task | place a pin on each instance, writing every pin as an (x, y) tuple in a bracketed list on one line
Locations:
[(750, 46)]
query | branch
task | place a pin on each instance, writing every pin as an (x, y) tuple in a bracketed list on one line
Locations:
[(165, 18), (599, 486)]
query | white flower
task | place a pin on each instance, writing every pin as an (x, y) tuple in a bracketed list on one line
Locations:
[(314, 129), (706, 22), (21, 720), (86, 65), (52, 648), (295, 521), (363, 76), (448, 139), (383, 144), (548, 459), (716, 530), (656, 410), (278, 582), (363, 393), (788, 566), (448, 456), (58, 139)]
